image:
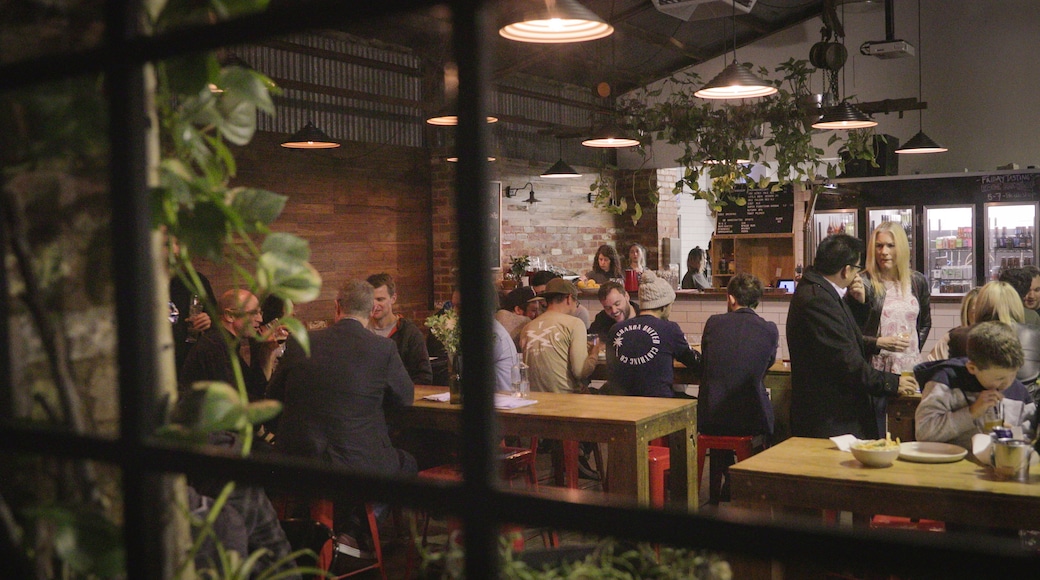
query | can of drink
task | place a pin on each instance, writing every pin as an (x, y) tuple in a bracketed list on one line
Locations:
[(1002, 433)]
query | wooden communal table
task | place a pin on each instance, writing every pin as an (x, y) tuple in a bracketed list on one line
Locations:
[(812, 473), (626, 424), (777, 381)]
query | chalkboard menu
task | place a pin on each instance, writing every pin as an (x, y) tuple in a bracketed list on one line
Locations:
[(766, 212), (1009, 186)]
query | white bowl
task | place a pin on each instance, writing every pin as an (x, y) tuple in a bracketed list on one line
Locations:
[(876, 457)]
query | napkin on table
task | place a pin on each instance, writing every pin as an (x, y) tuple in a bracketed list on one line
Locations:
[(501, 401), (845, 442), (439, 397), (982, 447)]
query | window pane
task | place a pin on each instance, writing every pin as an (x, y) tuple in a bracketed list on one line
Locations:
[(61, 317), (31, 29)]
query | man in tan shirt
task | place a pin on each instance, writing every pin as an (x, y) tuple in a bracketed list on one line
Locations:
[(555, 345)]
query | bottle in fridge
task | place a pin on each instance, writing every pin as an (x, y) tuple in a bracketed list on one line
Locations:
[(950, 248), (1011, 227)]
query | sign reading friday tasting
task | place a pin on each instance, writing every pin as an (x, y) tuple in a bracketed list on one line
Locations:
[(766, 212)]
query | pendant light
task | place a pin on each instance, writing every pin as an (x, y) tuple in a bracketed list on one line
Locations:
[(554, 22), (920, 143), (560, 169), (448, 116), (611, 136), (736, 81), (844, 116), (310, 137)]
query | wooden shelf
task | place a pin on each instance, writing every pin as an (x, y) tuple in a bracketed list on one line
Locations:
[(760, 255)]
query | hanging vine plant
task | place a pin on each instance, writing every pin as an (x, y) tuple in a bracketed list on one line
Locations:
[(723, 141)]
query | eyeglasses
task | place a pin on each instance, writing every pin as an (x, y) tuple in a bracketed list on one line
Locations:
[(858, 267)]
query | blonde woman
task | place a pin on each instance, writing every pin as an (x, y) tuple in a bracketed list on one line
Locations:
[(941, 350), (891, 302), (1000, 301)]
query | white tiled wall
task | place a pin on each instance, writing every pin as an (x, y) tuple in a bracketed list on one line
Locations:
[(692, 312)]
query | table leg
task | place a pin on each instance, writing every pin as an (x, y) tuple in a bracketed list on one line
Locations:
[(628, 469), (682, 473)]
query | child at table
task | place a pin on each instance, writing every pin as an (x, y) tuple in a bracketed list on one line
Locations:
[(962, 395)]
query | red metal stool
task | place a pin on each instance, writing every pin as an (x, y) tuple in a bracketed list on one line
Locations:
[(743, 447), (660, 463)]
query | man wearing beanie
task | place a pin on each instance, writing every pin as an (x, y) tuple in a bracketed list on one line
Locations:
[(642, 349)]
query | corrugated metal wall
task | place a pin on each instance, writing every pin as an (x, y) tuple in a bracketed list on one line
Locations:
[(391, 110)]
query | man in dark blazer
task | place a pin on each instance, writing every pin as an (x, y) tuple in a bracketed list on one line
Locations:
[(737, 348), (834, 390), (335, 400)]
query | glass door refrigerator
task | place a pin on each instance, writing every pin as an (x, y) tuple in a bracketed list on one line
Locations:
[(833, 221), (1010, 227), (950, 248), (904, 216)]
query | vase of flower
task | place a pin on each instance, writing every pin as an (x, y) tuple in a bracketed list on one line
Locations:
[(445, 328)]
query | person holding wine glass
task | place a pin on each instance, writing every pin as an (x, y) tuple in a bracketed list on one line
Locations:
[(891, 302)]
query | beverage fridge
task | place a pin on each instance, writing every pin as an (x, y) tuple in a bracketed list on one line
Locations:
[(950, 248), (837, 221), (1010, 228), (904, 216)]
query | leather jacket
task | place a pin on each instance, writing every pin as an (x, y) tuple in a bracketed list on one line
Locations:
[(868, 314)]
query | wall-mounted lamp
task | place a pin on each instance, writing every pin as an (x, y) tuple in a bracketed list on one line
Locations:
[(511, 192), (310, 137)]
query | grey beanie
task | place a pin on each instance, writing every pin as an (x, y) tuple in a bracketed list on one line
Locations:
[(654, 292)]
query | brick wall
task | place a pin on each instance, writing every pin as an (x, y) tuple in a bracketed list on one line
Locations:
[(363, 208)]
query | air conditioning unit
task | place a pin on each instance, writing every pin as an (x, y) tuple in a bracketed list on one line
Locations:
[(703, 9)]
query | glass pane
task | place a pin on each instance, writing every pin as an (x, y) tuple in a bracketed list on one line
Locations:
[(61, 318), (31, 29), (950, 249), (47, 498), (1009, 237)]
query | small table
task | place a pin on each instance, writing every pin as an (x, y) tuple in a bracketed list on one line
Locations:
[(813, 473), (626, 424)]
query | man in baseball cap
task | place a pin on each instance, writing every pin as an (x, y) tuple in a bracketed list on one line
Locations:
[(555, 344)]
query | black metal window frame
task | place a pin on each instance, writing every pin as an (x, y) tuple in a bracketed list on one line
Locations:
[(477, 502)]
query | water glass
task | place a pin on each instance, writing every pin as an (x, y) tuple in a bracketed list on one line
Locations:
[(520, 385)]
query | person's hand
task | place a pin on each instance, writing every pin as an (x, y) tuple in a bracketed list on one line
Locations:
[(200, 322), (857, 291), (893, 343), (987, 399), (908, 386)]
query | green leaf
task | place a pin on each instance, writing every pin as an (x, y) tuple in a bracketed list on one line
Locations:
[(239, 119), (262, 411), (188, 74), (256, 206), (294, 280), (88, 542), (638, 213), (202, 230), (250, 86), (221, 410), (287, 246)]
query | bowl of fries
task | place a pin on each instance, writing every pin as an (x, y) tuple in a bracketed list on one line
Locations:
[(877, 452)]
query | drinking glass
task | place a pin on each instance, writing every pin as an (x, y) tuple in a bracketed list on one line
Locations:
[(520, 385), (993, 417)]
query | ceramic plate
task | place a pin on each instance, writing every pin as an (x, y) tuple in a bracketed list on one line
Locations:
[(928, 452)]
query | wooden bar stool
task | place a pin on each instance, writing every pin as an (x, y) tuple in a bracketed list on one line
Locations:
[(742, 446)]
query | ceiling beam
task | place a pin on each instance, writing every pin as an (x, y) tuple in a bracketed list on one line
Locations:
[(661, 41)]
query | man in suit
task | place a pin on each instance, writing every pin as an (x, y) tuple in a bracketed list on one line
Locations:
[(335, 400), (834, 389), (737, 348)]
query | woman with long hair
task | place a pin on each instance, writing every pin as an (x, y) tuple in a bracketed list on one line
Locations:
[(941, 350), (891, 302), (637, 257), (695, 277), (606, 266)]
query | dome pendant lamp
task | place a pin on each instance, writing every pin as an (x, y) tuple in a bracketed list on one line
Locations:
[(736, 81), (844, 116), (310, 137), (554, 22)]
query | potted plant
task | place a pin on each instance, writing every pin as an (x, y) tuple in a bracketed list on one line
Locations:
[(518, 268)]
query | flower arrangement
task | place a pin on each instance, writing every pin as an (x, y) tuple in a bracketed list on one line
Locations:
[(445, 327)]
